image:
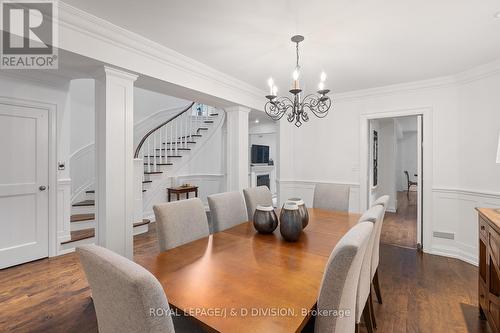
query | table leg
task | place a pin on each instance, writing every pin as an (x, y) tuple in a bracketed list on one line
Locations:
[(168, 196), (196, 193), (178, 197), (187, 195)]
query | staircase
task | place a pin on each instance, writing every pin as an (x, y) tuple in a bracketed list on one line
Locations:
[(162, 149)]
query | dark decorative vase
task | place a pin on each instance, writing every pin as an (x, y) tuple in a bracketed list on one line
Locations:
[(265, 219), (290, 222), (304, 214)]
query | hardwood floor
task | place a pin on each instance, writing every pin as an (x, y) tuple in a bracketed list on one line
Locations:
[(400, 228), (422, 293)]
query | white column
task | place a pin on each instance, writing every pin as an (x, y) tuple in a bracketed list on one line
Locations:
[(114, 121), (237, 148)]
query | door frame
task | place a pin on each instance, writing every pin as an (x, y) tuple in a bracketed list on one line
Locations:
[(426, 190), (52, 167)]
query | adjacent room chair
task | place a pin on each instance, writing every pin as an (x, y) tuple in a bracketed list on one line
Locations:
[(382, 201), (409, 184), (364, 303), (227, 210), (340, 281), (180, 222), (331, 196), (123, 293), (255, 196)]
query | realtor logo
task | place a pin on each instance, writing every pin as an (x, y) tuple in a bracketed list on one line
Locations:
[(29, 35)]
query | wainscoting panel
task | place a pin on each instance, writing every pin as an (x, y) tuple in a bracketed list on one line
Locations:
[(82, 170), (454, 212), (63, 211), (305, 190)]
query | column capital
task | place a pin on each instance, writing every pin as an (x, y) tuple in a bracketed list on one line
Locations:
[(238, 108), (107, 71)]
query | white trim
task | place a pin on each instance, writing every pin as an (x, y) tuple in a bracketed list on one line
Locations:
[(427, 166), (465, 77), (473, 192), (52, 167), (77, 26)]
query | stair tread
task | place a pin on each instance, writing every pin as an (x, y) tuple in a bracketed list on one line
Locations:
[(143, 222), (213, 114), (208, 121), (202, 128), (173, 149), (82, 217), (195, 135), (152, 172), (159, 163), (84, 203), (178, 142), (90, 191), (80, 234), (143, 190), (147, 181)]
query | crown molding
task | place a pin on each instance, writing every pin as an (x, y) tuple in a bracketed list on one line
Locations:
[(94, 27), (468, 76)]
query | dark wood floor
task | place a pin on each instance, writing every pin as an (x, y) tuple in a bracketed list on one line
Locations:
[(400, 228), (422, 293)]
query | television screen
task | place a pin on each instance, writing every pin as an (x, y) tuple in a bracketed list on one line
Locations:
[(260, 154)]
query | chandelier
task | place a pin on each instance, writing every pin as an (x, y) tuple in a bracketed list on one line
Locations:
[(298, 107)]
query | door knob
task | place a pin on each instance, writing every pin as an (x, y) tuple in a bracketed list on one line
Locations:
[(42, 188)]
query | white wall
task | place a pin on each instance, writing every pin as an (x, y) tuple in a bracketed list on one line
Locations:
[(465, 127), (406, 152), (386, 162)]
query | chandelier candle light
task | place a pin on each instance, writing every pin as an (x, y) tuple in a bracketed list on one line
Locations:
[(298, 108)]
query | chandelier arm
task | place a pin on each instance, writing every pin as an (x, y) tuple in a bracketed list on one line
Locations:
[(316, 105)]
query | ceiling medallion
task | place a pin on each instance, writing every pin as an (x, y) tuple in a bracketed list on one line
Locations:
[(298, 108)]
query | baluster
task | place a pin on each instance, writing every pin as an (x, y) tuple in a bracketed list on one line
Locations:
[(155, 168), (149, 155), (161, 151), (171, 146), (165, 135), (176, 134), (187, 129), (191, 126)]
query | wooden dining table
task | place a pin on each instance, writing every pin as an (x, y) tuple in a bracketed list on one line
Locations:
[(239, 280)]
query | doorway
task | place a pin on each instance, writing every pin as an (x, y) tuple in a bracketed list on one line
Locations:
[(394, 163), (24, 184)]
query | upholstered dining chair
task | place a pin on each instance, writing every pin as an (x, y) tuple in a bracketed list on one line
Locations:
[(227, 210), (340, 281), (382, 201), (364, 303), (180, 222), (255, 196), (123, 293), (331, 196)]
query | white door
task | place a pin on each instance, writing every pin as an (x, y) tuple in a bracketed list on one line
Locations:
[(419, 182), (24, 205)]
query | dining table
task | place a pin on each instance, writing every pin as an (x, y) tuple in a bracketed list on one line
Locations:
[(239, 280)]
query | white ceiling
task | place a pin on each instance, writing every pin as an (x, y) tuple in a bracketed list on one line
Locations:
[(360, 44)]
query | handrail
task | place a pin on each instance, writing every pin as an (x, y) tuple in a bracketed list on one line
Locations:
[(138, 149)]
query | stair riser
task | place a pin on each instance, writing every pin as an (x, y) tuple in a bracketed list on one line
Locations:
[(90, 196), (82, 210), (68, 247), (82, 225)]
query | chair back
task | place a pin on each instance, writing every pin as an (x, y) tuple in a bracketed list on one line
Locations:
[(255, 196), (124, 293), (180, 222), (227, 210), (340, 281), (331, 196), (373, 215), (383, 201)]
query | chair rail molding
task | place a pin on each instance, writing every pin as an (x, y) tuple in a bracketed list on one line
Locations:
[(119, 47), (454, 212), (304, 189)]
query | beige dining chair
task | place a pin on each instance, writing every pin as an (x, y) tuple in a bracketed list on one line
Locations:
[(382, 201), (331, 196), (180, 222), (123, 293), (227, 210), (255, 196), (364, 303), (337, 296)]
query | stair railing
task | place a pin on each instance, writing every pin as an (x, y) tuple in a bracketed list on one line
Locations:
[(171, 136)]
